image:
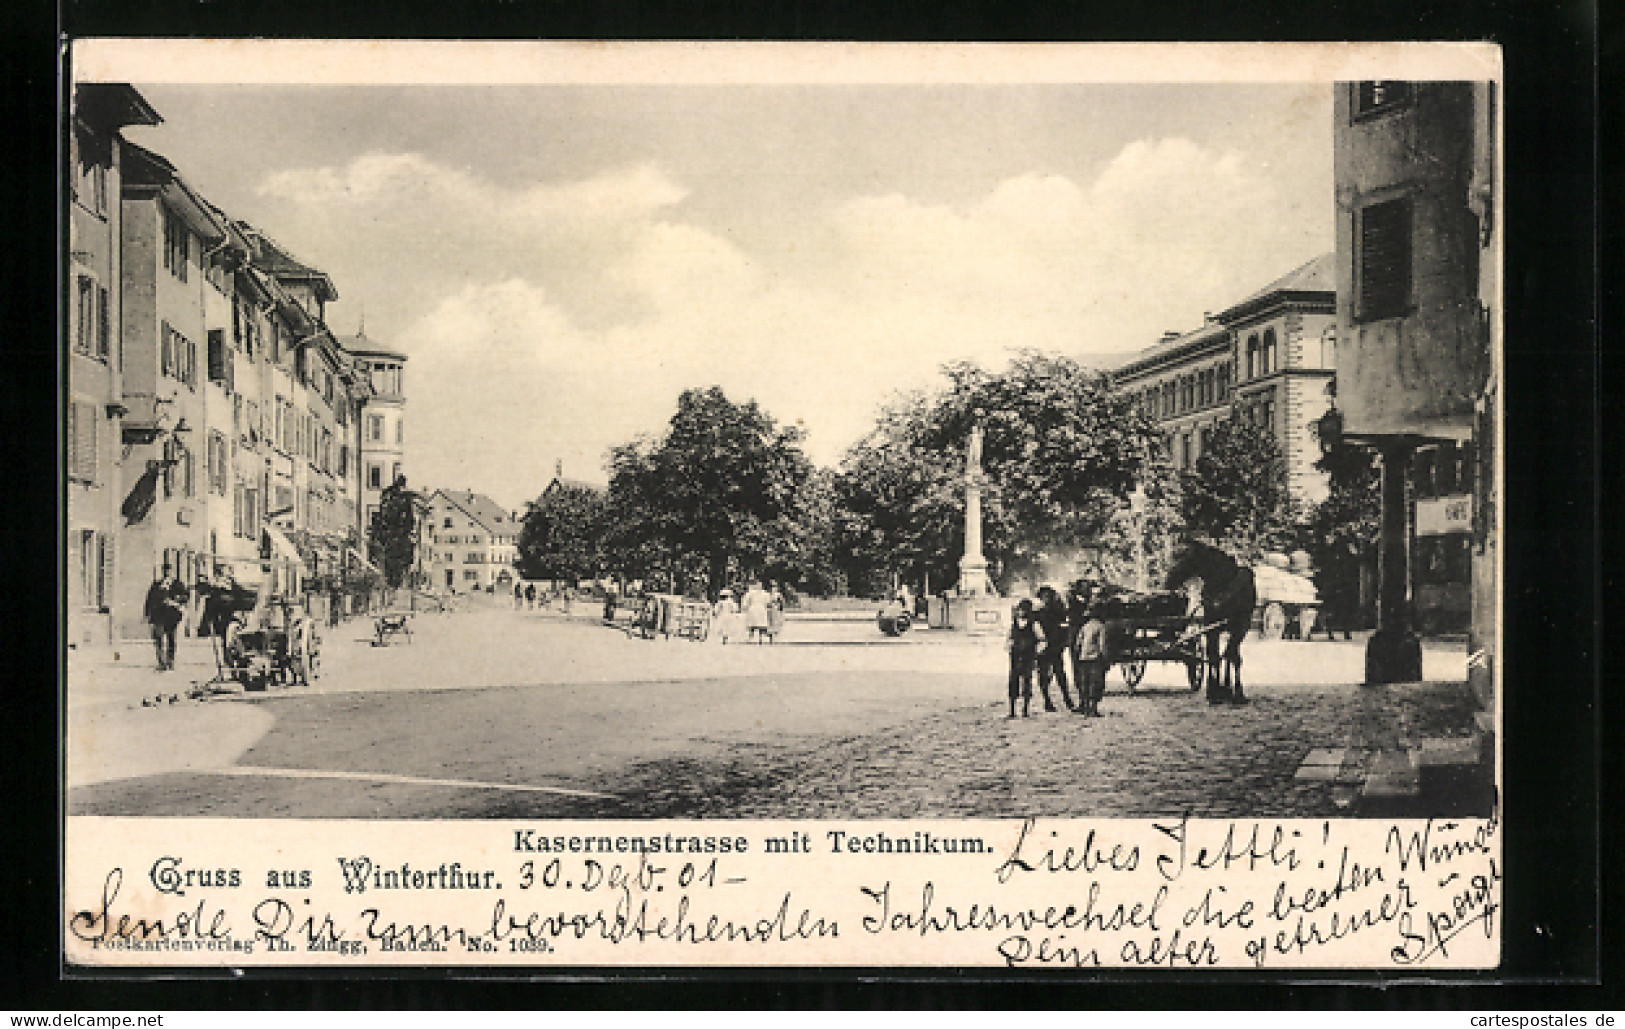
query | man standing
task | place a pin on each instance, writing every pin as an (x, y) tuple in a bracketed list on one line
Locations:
[(1051, 615), (166, 603)]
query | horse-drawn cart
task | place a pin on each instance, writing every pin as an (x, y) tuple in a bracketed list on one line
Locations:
[(1152, 626)]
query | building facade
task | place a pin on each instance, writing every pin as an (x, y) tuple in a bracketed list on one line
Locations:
[(1418, 286), (1267, 359), (470, 543), (213, 420), (94, 406), (383, 423)]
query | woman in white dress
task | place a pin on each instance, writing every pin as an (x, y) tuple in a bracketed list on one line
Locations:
[(757, 601), (725, 622)]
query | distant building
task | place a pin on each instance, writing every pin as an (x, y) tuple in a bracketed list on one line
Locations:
[(1418, 284), (1267, 359), (470, 542), (383, 420)]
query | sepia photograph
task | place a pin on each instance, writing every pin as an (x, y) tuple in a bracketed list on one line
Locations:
[(773, 449)]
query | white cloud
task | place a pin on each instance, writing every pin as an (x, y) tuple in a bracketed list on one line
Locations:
[(552, 320)]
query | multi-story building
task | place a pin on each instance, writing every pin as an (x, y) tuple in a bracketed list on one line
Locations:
[(1415, 170), (471, 542), (383, 422), (214, 423), (1267, 359), (176, 251), (95, 353)]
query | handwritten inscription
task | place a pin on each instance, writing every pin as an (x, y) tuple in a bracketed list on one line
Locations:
[(1182, 895)]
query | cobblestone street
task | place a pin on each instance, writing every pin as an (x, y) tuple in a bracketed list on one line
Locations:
[(503, 714)]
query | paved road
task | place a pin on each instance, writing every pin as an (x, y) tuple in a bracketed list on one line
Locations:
[(509, 714)]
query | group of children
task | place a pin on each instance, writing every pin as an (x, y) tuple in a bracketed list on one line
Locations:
[(1040, 638)]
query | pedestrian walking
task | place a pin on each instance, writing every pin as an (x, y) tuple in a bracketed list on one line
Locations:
[(755, 608), (165, 606), (1051, 616), (530, 596), (725, 621), (775, 611), (1025, 641), (518, 596), (1089, 653)]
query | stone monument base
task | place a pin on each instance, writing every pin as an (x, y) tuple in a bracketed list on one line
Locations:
[(975, 616)]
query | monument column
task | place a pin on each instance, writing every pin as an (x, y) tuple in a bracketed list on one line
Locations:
[(973, 581)]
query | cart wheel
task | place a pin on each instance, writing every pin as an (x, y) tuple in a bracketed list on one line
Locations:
[(1133, 674), (1274, 622), (1195, 671)]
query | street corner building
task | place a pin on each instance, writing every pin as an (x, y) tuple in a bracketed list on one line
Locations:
[(213, 422), (1416, 173), (468, 542)]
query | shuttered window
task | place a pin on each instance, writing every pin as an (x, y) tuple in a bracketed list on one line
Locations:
[(82, 441), (220, 362), (104, 333), (1385, 260)]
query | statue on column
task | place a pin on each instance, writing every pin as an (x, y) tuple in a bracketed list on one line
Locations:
[(973, 578)]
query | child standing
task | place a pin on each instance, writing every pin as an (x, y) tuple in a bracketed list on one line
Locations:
[(1025, 643), (1091, 659)]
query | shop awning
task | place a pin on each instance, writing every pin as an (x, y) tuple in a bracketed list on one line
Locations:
[(281, 545)]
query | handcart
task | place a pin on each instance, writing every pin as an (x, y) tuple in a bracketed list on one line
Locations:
[(260, 643)]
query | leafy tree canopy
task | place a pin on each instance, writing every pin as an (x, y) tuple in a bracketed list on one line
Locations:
[(562, 535), (1236, 495), (716, 495), (392, 537)]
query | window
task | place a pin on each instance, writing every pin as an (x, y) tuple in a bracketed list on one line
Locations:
[(471, 574), (1373, 98), (92, 190), (375, 476), (178, 356), (95, 568), (1223, 388), (84, 329), (1251, 367), (220, 363), (1270, 359), (448, 521), (400, 429), (82, 432), (177, 246), (375, 428), (218, 461), (1383, 264), (395, 473), (344, 459)]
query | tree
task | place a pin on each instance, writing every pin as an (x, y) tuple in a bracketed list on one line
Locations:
[(392, 538), (562, 536), (1237, 493), (1341, 532), (715, 496), (1062, 453)]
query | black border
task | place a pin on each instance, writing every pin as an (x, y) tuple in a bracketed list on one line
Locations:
[(1551, 532)]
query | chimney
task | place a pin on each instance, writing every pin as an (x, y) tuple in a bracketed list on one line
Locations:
[(1170, 334), (558, 469)]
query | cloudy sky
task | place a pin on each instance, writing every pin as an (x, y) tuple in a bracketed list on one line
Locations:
[(560, 261)]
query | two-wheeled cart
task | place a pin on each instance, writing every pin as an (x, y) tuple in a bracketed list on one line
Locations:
[(257, 644), (1134, 642)]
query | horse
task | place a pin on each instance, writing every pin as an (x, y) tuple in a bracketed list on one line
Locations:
[(1228, 598)]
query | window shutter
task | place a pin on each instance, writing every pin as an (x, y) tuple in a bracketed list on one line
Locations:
[(104, 585), (1385, 259), (103, 326), (82, 441)]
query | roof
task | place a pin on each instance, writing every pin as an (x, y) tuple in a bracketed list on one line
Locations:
[(147, 169), (561, 483), (107, 106), (490, 515), (1170, 346), (361, 343), (276, 260), (1315, 276)]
